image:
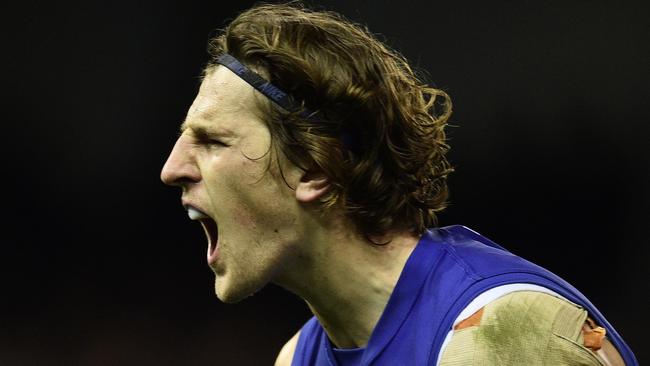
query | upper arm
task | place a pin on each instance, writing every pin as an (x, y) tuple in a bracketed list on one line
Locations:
[(524, 326), (286, 353)]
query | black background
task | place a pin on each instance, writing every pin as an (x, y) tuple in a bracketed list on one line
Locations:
[(100, 265)]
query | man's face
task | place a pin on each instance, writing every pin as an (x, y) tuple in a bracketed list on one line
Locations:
[(220, 162)]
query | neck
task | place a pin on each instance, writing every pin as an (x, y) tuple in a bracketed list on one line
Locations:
[(348, 280)]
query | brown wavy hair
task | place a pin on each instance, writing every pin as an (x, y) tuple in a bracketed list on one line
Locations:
[(377, 131)]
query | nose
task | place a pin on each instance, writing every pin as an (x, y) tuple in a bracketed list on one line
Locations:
[(180, 167)]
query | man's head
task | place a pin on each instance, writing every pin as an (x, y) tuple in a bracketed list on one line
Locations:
[(375, 134), (364, 143)]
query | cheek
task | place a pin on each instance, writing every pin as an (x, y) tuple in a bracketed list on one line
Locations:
[(247, 194), (260, 209), (243, 202), (243, 215)]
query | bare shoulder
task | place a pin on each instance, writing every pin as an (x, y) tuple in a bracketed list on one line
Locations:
[(286, 353)]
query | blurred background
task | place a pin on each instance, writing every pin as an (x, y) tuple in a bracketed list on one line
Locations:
[(100, 265)]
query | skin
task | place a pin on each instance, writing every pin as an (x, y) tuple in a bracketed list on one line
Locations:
[(270, 231)]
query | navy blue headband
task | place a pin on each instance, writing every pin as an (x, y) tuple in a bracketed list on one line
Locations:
[(276, 94), (256, 81)]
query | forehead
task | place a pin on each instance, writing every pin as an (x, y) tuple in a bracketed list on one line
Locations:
[(224, 101)]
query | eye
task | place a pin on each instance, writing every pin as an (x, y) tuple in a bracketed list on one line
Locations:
[(216, 142), (208, 140)]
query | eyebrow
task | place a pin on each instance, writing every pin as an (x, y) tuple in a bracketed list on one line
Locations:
[(201, 129)]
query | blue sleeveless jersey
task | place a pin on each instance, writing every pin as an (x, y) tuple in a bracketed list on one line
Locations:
[(449, 267)]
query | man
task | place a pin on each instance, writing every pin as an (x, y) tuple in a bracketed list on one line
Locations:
[(315, 159)]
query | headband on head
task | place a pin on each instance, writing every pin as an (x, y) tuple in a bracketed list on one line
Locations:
[(265, 87), (277, 95)]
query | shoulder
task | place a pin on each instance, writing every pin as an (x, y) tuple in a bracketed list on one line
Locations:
[(523, 326), (286, 353)]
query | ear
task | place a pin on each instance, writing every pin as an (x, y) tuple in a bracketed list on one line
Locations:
[(312, 186)]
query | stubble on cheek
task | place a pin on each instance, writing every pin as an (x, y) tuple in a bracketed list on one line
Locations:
[(254, 223)]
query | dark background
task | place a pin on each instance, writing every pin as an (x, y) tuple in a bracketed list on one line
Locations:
[(100, 265)]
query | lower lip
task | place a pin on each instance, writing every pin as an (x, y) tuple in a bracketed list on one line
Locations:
[(213, 253)]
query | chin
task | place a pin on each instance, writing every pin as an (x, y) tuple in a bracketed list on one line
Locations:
[(231, 293)]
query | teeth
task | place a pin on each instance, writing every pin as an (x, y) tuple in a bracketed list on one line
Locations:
[(195, 214)]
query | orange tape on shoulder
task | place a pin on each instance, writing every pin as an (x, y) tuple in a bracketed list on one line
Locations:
[(472, 320), (593, 335)]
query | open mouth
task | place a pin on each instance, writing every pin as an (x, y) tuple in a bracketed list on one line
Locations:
[(211, 231)]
